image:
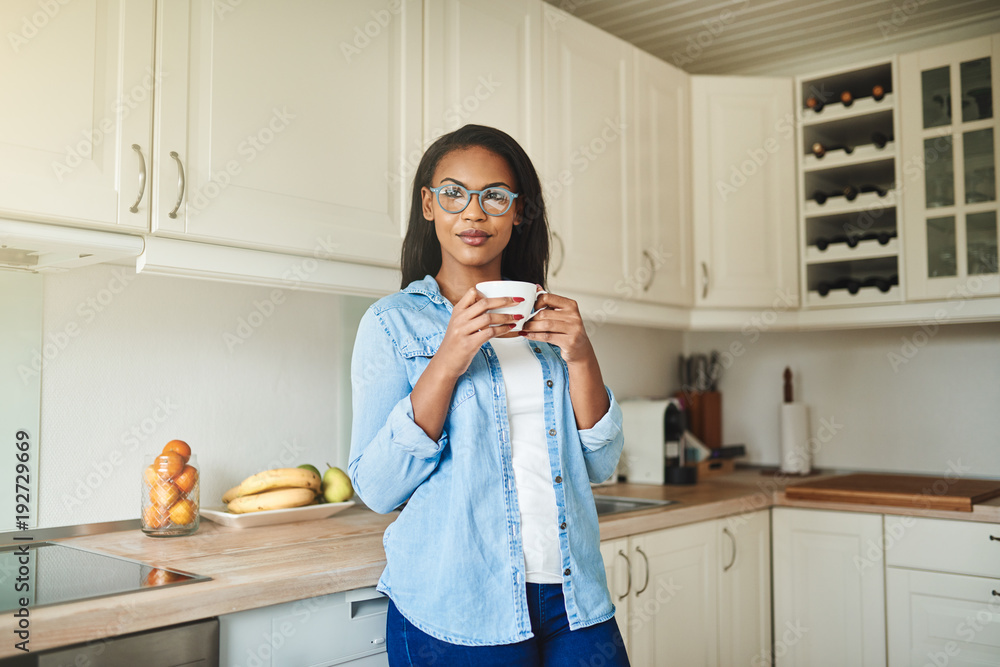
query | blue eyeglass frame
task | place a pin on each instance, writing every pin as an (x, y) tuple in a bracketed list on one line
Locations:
[(437, 194)]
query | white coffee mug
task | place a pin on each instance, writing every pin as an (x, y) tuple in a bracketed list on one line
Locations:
[(513, 288)]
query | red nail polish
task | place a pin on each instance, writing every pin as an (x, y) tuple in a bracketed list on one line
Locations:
[(518, 317), (517, 299)]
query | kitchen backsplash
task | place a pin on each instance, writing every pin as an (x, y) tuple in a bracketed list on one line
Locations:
[(915, 399), (254, 377)]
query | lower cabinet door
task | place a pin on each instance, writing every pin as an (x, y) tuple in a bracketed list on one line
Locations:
[(618, 568), (942, 619), (829, 588), (745, 589), (673, 615)]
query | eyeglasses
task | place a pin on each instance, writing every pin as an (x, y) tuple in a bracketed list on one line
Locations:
[(455, 198)]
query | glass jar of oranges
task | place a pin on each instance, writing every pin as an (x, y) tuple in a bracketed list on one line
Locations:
[(170, 492)]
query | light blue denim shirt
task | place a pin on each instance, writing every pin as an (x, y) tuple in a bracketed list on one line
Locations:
[(455, 565)]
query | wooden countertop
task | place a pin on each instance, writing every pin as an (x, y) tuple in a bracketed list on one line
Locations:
[(257, 567)]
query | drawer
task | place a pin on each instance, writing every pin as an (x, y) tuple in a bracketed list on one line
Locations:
[(942, 545), (941, 619), (329, 630)]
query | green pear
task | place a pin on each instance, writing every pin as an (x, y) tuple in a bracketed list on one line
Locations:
[(306, 466), (336, 485)]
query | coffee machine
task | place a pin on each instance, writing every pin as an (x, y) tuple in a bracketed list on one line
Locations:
[(654, 442)]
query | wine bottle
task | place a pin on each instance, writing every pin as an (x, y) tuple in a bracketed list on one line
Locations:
[(878, 92), (819, 149), (882, 192), (884, 237), (853, 286), (879, 139), (850, 192), (814, 103), (823, 288), (846, 98), (820, 197)]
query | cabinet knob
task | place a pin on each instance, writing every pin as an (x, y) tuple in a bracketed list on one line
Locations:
[(142, 178), (732, 538), (628, 570), (180, 183), (562, 254), (645, 582)]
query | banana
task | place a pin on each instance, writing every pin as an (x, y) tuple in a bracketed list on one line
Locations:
[(231, 494), (276, 479), (274, 499)]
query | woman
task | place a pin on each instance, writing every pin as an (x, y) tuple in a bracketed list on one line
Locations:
[(490, 438)]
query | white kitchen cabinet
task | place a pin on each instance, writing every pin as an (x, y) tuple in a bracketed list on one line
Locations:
[(658, 233), (745, 588), (76, 126), (586, 175), (499, 86), (942, 592), (290, 126), (950, 153), (674, 612), (697, 594), (829, 597), (942, 619), (618, 569), (743, 173)]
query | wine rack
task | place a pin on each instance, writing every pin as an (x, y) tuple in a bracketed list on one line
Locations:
[(849, 198)]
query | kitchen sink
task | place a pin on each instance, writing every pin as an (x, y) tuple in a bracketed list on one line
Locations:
[(617, 504)]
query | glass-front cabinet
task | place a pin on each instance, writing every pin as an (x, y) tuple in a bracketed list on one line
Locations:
[(949, 175)]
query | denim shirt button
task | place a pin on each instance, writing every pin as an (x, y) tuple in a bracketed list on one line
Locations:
[(566, 571), (558, 479), (536, 349), (562, 526), (548, 383), (552, 431)]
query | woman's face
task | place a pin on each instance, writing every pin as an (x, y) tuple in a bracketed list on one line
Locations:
[(471, 239)]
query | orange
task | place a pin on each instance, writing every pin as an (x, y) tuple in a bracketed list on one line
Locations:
[(158, 577), (164, 494), (155, 517), (187, 478), (151, 476), (183, 512), (178, 447), (169, 465)]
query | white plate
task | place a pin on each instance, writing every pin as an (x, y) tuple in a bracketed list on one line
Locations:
[(270, 517)]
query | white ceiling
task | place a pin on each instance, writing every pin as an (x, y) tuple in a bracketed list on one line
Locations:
[(784, 36)]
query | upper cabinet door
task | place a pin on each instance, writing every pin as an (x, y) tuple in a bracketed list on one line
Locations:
[(484, 66), (659, 231), (78, 84), (950, 153), (587, 177), (743, 168), (291, 126)]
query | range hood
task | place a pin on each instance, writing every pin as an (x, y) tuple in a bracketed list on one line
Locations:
[(40, 248)]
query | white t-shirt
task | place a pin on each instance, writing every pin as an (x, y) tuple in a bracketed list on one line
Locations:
[(522, 376)]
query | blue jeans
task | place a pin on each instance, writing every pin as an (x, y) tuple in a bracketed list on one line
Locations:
[(554, 644)]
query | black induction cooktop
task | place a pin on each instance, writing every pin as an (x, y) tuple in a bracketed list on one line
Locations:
[(47, 573)]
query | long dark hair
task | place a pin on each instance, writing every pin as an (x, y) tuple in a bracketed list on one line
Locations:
[(526, 256)]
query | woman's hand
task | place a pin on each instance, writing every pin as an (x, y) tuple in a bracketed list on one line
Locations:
[(469, 327), (561, 325)]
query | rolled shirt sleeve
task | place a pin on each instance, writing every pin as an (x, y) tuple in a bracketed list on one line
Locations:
[(602, 443)]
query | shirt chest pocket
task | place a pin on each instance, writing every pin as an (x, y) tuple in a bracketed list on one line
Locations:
[(418, 352)]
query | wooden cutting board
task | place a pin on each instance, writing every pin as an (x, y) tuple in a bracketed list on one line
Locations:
[(898, 491)]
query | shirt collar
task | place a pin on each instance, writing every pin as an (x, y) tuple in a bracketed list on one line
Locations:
[(427, 287)]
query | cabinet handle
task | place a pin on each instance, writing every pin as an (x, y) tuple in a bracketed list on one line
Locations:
[(704, 280), (180, 183), (997, 593), (733, 539), (652, 270), (645, 582), (562, 254), (994, 537), (142, 178), (628, 566)]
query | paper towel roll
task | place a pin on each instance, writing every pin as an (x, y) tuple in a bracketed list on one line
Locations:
[(795, 456)]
